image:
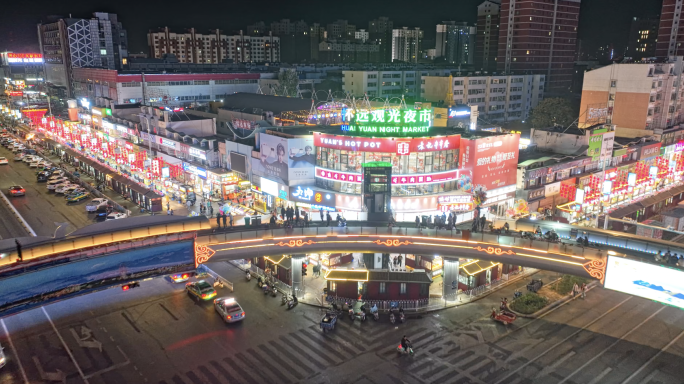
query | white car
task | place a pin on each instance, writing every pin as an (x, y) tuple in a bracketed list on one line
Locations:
[(28, 159), (62, 188), (116, 216), (96, 204), (229, 309), (3, 160), (33, 164), (55, 177), (52, 185)]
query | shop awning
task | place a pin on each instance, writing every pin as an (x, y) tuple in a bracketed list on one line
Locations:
[(347, 275), (476, 266), (625, 211), (645, 203), (414, 276)]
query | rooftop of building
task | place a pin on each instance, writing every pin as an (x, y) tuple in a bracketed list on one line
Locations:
[(532, 159), (676, 212), (248, 102)]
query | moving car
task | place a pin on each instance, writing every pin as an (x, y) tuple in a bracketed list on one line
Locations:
[(96, 204), (17, 190), (181, 277), (3, 161), (116, 216), (19, 157), (200, 290), (78, 197), (229, 309), (27, 159)]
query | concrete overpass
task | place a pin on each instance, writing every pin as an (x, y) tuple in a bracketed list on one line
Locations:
[(564, 258)]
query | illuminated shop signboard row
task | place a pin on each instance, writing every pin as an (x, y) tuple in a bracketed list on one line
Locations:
[(400, 146), (387, 121), (356, 178)]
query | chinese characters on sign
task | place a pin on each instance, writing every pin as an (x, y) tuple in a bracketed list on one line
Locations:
[(389, 121), (496, 158), (303, 194), (24, 58)]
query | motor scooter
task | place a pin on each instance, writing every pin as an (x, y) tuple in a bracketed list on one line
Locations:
[(274, 291), (286, 298), (266, 289), (249, 276), (292, 302), (374, 312), (405, 351)]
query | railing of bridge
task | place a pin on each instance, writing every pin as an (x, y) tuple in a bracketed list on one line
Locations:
[(486, 239)]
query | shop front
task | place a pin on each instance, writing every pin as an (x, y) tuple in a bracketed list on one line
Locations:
[(476, 273), (431, 264), (221, 183), (312, 200), (269, 194), (196, 178)]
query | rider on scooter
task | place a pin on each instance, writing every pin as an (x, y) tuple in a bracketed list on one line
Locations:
[(405, 343)]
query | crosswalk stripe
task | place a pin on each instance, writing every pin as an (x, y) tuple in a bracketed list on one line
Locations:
[(313, 347), (433, 372), (295, 347), (469, 362), (321, 337), (176, 379), (265, 362), (396, 339), (344, 338), (290, 354), (444, 378), (460, 357), (208, 374), (223, 371), (274, 356), (240, 371), (256, 366)]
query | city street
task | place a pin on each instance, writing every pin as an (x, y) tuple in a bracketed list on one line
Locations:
[(157, 334), (41, 208)]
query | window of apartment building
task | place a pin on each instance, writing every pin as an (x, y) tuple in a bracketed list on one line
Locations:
[(410, 75), (475, 91), (472, 82), (180, 83), (201, 82), (613, 83), (372, 76), (652, 98), (458, 82), (155, 83), (386, 76), (458, 92), (396, 75), (132, 84), (650, 112), (373, 84), (611, 97), (672, 109)]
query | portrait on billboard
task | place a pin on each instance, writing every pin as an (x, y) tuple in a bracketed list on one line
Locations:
[(273, 162)]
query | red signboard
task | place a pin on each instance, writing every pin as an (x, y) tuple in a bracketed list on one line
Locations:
[(491, 161), (20, 58), (400, 146), (339, 176), (427, 178)]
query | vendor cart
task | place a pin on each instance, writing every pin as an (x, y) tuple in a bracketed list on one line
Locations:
[(505, 317), (328, 321)]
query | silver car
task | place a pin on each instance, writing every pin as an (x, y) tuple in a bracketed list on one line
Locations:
[(229, 309)]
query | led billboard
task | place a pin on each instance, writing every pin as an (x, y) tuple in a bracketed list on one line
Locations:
[(650, 281)]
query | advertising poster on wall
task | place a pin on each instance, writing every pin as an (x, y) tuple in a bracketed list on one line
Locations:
[(491, 161), (273, 160), (302, 158)]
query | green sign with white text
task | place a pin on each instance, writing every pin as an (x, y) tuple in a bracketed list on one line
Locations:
[(401, 122)]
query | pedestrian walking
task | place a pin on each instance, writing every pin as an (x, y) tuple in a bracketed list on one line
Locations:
[(168, 206), (218, 220), (583, 288), (417, 222), (230, 215), (575, 290), (211, 211), (225, 217), (483, 222), (306, 219), (400, 260), (328, 218), (282, 212), (321, 212)]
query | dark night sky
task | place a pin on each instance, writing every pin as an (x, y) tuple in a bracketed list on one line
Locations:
[(601, 21)]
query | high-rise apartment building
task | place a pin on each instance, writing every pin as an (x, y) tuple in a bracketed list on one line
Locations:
[(670, 30), (487, 41), (498, 98), (540, 37), (341, 30), (387, 83), (643, 35), (380, 32), (639, 98), (213, 48), (406, 44), (298, 40), (455, 42), (68, 43)]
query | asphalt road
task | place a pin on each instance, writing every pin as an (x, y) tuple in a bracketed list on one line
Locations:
[(157, 334), (9, 225), (41, 208)]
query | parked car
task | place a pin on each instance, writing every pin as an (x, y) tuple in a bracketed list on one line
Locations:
[(3, 161), (17, 190), (79, 196), (19, 157), (96, 204), (63, 188), (116, 216)]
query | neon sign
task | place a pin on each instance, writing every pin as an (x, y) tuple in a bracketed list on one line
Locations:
[(387, 121), (23, 58)]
